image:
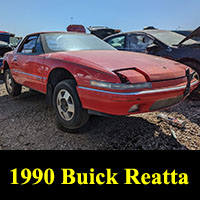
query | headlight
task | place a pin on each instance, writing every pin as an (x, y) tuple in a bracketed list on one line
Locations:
[(120, 86)]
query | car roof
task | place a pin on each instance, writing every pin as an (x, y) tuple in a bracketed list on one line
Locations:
[(149, 31), (50, 32), (6, 33)]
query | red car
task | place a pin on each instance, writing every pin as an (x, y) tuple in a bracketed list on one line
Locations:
[(82, 75)]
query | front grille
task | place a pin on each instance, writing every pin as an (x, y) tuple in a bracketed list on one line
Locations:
[(165, 103)]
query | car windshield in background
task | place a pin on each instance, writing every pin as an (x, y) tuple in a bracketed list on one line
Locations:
[(74, 42), (170, 38), (14, 41)]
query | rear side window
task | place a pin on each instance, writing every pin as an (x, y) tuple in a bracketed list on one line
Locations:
[(139, 43), (38, 47)]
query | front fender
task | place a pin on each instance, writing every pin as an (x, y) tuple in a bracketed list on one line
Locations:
[(82, 74)]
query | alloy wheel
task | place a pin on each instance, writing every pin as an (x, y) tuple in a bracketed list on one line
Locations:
[(9, 82), (65, 105)]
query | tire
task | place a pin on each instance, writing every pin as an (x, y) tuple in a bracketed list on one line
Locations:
[(70, 116), (196, 67), (12, 87)]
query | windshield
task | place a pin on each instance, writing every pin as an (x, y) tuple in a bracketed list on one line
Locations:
[(171, 38), (14, 41), (74, 42)]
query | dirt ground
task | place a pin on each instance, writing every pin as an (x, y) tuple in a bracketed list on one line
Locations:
[(27, 123)]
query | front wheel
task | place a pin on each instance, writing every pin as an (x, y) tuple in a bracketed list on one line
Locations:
[(69, 112), (12, 87)]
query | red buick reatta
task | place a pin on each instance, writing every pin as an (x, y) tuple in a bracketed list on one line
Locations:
[(82, 75)]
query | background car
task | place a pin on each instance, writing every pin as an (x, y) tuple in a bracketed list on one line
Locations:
[(76, 28), (9, 38), (99, 31), (82, 75), (4, 47), (8, 42), (187, 33), (161, 43), (102, 31)]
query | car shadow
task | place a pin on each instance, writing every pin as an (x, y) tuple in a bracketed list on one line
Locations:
[(100, 133)]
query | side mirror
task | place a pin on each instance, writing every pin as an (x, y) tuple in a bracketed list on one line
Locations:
[(152, 48)]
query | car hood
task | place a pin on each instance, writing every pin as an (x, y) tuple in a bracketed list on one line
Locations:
[(153, 67), (195, 33), (3, 44)]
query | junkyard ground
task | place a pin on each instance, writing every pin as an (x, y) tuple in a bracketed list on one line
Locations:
[(27, 123)]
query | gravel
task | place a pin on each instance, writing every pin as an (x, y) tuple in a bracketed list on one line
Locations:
[(27, 123)]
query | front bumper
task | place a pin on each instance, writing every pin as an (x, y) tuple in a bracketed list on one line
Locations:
[(119, 103)]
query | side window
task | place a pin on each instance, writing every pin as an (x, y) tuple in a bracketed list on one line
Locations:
[(28, 45), (117, 42), (139, 43), (38, 47)]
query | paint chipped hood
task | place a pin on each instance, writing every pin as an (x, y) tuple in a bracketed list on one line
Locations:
[(152, 67)]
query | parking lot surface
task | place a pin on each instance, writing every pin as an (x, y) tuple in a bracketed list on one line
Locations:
[(27, 123)]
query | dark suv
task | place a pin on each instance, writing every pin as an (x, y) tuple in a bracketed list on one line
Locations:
[(161, 43)]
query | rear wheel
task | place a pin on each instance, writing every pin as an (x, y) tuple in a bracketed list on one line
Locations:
[(69, 112), (12, 87)]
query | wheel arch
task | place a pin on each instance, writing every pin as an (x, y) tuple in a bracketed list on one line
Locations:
[(5, 66), (184, 60), (193, 63), (54, 77)]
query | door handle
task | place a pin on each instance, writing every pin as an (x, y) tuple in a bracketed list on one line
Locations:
[(15, 59)]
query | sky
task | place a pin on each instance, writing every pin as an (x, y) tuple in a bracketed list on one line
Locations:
[(24, 16)]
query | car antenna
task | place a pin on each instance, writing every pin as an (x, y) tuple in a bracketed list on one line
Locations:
[(72, 20)]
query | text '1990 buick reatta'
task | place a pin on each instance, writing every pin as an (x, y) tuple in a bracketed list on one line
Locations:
[(82, 75)]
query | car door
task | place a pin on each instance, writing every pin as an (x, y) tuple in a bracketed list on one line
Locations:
[(118, 42), (30, 63)]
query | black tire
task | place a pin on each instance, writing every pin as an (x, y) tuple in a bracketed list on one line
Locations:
[(196, 67), (12, 87), (70, 115)]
